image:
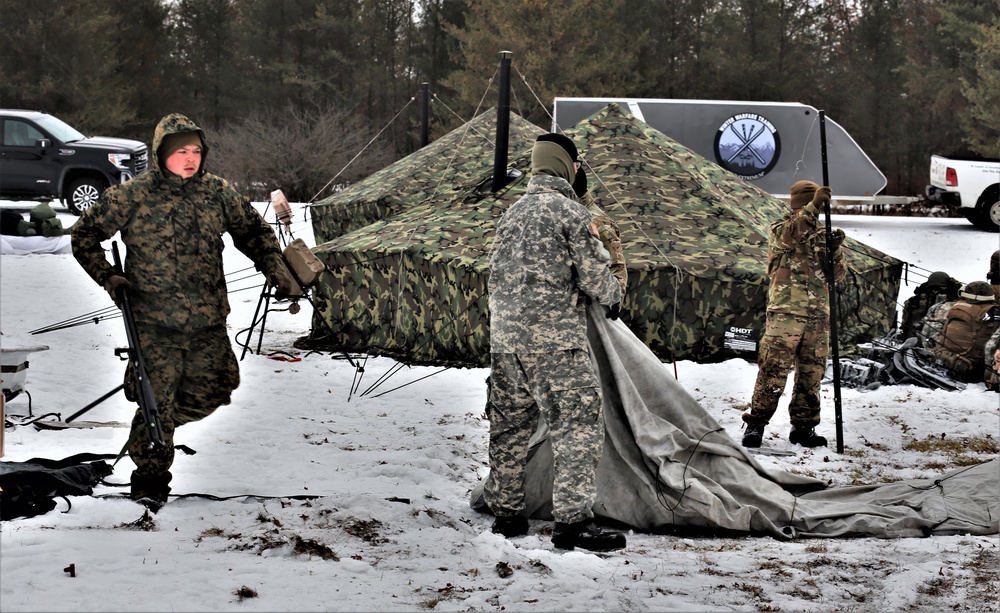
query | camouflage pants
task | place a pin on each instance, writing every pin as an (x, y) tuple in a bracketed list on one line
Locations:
[(790, 343), (959, 366), (562, 388), (191, 375)]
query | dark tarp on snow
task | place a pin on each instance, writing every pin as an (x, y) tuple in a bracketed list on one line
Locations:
[(30, 488), (406, 250), (667, 463)]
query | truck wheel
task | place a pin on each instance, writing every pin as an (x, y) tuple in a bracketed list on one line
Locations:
[(988, 211), (995, 215), (83, 193)]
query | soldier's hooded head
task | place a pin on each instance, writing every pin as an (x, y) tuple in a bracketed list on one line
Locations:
[(173, 132), (801, 194), (554, 154)]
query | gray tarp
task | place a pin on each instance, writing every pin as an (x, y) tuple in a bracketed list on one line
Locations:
[(667, 463)]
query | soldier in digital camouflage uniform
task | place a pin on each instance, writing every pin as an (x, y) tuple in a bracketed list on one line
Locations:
[(993, 275), (926, 295), (932, 325), (797, 328), (991, 362), (171, 220), (607, 229), (545, 263), (968, 326)]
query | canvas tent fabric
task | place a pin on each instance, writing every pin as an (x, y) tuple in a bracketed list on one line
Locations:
[(668, 464), (406, 250), (29, 245)]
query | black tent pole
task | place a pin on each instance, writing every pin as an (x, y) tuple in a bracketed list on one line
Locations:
[(832, 282), (424, 112), (503, 125)]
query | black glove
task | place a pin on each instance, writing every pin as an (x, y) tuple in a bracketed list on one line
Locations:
[(580, 183), (614, 311), (113, 284)]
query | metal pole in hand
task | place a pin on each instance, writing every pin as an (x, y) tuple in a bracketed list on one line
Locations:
[(832, 282)]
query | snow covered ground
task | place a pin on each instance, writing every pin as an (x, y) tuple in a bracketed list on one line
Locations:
[(342, 492)]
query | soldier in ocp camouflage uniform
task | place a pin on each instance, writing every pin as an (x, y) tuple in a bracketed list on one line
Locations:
[(797, 328), (545, 262), (171, 220)]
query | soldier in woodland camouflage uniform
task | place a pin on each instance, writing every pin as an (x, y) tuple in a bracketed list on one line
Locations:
[(797, 328), (171, 220), (545, 263)]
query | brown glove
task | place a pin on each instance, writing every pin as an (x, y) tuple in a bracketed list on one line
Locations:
[(837, 238), (823, 196), (283, 283), (113, 284)]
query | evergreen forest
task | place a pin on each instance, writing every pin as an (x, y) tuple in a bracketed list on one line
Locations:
[(307, 95)]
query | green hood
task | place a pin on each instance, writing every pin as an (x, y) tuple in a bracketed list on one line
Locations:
[(174, 124)]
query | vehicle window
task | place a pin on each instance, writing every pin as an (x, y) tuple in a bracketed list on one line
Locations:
[(59, 129), (20, 134)]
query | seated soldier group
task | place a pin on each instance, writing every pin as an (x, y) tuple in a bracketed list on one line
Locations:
[(959, 324)]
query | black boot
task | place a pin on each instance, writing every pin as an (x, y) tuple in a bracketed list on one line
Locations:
[(587, 535), (151, 491), (754, 436), (806, 436), (511, 525)]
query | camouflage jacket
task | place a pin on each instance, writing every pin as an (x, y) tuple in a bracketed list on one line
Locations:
[(545, 254), (611, 238), (172, 229), (795, 265), (917, 305), (932, 325)]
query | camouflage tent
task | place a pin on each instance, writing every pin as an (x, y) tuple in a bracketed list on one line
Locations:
[(406, 250)]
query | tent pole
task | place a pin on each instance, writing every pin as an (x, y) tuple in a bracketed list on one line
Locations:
[(425, 96), (832, 281), (503, 125)]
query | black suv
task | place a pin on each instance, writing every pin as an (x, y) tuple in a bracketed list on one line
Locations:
[(43, 158)]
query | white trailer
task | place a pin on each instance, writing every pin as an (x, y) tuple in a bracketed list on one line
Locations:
[(770, 144)]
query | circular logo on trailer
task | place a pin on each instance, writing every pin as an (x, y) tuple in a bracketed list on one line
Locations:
[(747, 145)]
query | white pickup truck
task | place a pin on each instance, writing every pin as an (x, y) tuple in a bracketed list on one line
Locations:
[(973, 184)]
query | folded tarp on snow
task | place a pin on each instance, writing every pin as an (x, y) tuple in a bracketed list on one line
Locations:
[(29, 245), (668, 463)]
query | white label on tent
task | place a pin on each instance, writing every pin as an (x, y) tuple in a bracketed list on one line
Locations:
[(741, 339)]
